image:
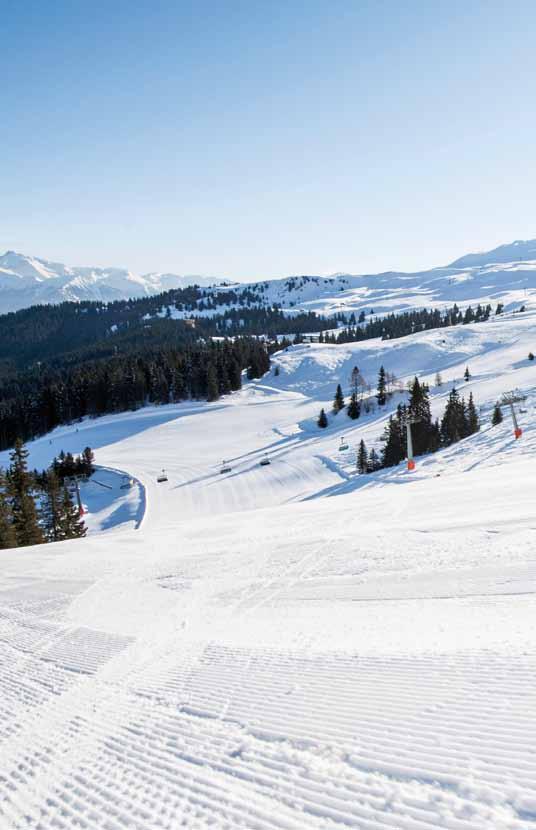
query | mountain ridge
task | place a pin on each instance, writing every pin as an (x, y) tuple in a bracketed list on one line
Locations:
[(29, 280)]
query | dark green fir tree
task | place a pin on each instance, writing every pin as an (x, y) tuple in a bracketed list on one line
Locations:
[(422, 430), (473, 423), (354, 407), (374, 463), (497, 416), (362, 458), (393, 451), (51, 510), (338, 400), (454, 421), (381, 395), (71, 524), (23, 507), (8, 537)]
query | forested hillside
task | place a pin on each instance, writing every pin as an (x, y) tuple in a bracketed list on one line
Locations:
[(90, 330)]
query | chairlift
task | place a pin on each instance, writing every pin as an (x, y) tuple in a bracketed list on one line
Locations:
[(225, 467), (265, 460), (162, 477), (126, 483), (343, 445)]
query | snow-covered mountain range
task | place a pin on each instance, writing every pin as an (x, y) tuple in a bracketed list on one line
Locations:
[(27, 280), (507, 273)]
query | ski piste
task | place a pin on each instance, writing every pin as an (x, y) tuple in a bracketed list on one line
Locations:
[(292, 645)]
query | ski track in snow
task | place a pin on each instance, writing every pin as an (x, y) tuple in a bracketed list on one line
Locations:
[(291, 646)]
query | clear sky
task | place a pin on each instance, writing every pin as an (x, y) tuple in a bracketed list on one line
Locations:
[(250, 139)]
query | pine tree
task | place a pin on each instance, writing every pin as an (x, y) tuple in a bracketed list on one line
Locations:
[(362, 458), (381, 397), (531, 356), (454, 422), (23, 507), (322, 419), (473, 424), (435, 437), (419, 410), (467, 374), (71, 524), (52, 506), (373, 461), (438, 379), (497, 416), (354, 407), (88, 461), (338, 401), (393, 451), (8, 537)]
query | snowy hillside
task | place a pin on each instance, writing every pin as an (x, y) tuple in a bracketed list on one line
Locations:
[(506, 274), (294, 645), (26, 281)]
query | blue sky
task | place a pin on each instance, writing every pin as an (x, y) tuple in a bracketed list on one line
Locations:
[(254, 139)]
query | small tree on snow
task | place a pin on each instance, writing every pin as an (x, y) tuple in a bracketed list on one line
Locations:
[(362, 458), (438, 379), (467, 374), (322, 419), (497, 416), (381, 396), (338, 401), (473, 423), (374, 463), (531, 356), (354, 407)]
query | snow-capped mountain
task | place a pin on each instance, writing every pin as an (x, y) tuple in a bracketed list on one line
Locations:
[(506, 274), (27, 280)]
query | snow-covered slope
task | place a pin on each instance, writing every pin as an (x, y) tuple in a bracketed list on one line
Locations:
[(506, 274), (26, 281), (291, 646)]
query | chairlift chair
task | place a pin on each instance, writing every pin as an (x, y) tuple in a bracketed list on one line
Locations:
[(225, 468), (265, 460), (343, 445), (162, 477)]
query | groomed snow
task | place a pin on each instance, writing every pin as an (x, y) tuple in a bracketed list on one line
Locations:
[(291, 646)]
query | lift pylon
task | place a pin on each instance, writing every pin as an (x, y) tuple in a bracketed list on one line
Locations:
[(509, 399)]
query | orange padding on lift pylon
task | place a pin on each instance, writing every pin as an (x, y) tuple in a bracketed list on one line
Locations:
[(518, 432), (411, 464)]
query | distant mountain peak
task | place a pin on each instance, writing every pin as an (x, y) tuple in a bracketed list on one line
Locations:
[(28, 280), (519, 250)]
